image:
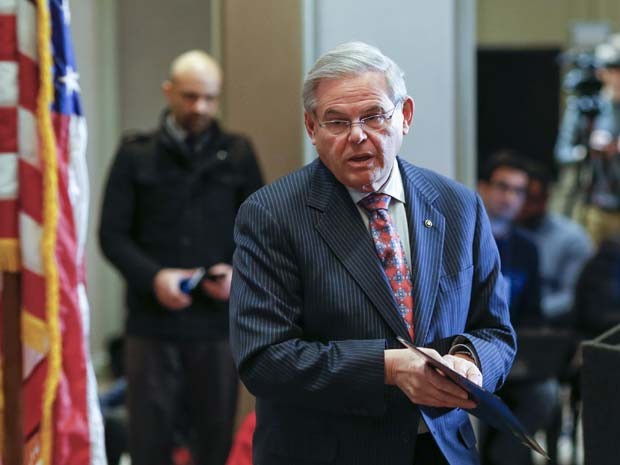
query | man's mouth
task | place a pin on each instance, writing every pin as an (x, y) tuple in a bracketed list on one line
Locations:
[(362, 158)]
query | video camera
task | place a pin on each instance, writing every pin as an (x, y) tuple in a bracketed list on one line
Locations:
[(581, 82)]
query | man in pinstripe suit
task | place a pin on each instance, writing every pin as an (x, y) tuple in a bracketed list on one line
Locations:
[(314, 320)]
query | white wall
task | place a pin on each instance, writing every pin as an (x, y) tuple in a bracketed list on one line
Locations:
[(151, 33), (93, 27), (427, 40)]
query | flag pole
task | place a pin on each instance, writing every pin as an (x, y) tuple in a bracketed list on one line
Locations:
[(13, 441)]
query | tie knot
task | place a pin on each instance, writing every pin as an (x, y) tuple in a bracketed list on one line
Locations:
[(375, 201)]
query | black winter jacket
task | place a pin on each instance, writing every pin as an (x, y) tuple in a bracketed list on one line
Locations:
[(167, 207)]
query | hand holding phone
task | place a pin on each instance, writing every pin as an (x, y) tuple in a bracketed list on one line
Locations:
[(187, 285), (217, 281)]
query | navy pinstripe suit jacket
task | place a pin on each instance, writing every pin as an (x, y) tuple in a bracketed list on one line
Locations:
[(312, 313)]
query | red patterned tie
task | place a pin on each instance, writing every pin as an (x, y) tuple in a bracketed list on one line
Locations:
[(391, 253)]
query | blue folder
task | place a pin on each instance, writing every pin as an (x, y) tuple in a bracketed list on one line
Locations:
[(489, 408)]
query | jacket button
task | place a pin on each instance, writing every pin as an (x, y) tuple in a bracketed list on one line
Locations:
[(185, 241)]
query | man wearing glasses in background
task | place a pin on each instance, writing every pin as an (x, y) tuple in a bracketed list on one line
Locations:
[(336, 260), (503, 187)]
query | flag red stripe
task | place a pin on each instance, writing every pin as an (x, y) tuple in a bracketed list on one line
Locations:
[(28, 82), (8, 129), (8, 214), (66, 239), (72, 445), (8, 38), (33, 300), (33, 393), (31, 200)]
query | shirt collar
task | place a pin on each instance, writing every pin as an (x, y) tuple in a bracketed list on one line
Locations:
[(175, 130), (393, 187)]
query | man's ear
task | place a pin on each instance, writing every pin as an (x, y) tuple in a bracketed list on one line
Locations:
[(408, 112), (166, 88), (311, 126)]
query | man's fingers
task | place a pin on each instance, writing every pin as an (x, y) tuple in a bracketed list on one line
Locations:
[(437, 398), (444, 385), (465, 368), (474, 375)]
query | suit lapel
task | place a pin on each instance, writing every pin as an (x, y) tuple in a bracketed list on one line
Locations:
[(343, 230), (426, 235)]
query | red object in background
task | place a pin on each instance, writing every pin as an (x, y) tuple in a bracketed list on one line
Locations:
[(182, 456), (241, 451)]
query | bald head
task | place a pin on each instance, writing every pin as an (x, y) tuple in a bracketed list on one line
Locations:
[(193, 90), (194, 61)]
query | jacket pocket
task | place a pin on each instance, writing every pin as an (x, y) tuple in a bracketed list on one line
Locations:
[(458, 280)]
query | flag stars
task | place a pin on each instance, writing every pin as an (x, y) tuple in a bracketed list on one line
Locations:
[(70, 81), (66, 12)]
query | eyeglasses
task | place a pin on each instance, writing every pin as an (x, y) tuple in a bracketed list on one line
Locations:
[(369, 123)]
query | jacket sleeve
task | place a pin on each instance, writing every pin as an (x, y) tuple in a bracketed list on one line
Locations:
[(488, 327), (274, 357), (117, 223), (558, 302), (252, 177)]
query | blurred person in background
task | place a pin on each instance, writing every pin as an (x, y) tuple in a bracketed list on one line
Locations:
[(597, 301), (589, 140), (563, 248), (169, 208), (503, 187)]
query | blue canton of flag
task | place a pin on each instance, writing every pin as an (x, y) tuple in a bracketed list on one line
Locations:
[(66, 86)]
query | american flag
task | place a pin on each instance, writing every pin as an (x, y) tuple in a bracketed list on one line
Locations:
[(43, 218)]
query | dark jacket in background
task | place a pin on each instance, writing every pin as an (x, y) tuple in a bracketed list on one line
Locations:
[(597, 299), (166, 206), (520, 268)]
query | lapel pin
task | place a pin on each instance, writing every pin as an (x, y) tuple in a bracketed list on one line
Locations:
[(428, 223)]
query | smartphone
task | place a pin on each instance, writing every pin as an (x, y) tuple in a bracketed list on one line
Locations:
[(187, 285)]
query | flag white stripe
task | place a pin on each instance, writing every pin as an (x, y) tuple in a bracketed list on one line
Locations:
[(78, 181), (7, 6), (8, 84), (95, 421), (31, 358), (8, 176), (28, 140), (26, 24), (30, 232)]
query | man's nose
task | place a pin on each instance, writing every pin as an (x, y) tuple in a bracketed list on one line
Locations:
[(357, 134), (201, 105)]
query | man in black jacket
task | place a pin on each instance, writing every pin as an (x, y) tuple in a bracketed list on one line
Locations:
[(169, 208)]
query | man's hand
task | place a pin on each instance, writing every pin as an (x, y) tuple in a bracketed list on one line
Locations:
[(167, 290), (423, 384), (604, 143), (464, 366), (218, 289)]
